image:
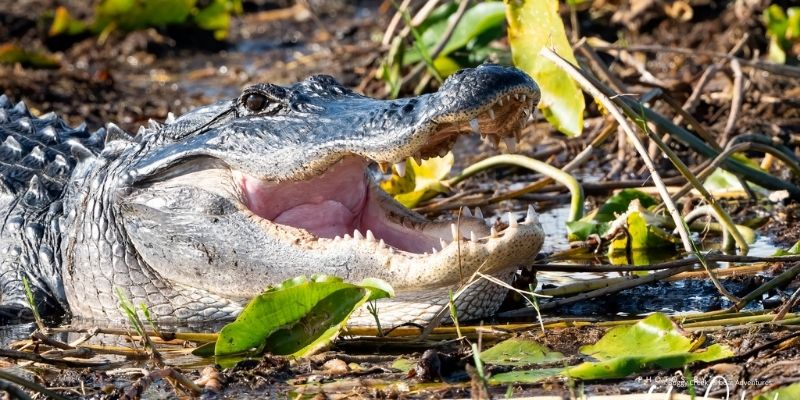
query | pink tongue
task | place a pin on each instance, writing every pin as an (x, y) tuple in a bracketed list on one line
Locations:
[(326, 219)]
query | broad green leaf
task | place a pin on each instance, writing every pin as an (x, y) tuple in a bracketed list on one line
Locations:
[(792, 251), (295, 318), (581, 229), (524, 376), (379, 289), (788, 392), (478, 19), (652, 342), (519, 351), (722, 180), (621, 367), (598, 221), (403, 364), (642, 237), (533, 25), (653, 335), (619, 203), (217, 17), (421, 182)]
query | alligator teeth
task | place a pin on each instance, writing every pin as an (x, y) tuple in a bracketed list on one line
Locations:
[(491, 114), (337, 237), (465, 212), (473, 124), (370, 236), (357, 235), (384, 167), (454, 231), (400, 168), (418, 159), (531, 216), (472, 237), (434, 250), (500, 102), (516, 96), (524, 98), (511, 144), (512, 221), (347, 236), (493, 232), (381, 243), (170, 118), (478, 213), (442, 243)]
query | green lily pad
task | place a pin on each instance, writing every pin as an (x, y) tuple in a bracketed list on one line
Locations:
[(619, 203), (599, 221), (403, 364), (654, 342), (783, 393), (519, 351), (297, 318), (524, 376), (533, 25), (792, 251), (642, 237)]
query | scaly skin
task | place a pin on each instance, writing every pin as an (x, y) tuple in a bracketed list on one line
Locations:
[(196, 216)]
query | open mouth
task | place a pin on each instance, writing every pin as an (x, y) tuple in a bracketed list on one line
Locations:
[(345, 202)]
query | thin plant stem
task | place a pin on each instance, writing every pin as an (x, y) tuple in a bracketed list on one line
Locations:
[(575, 188), (581, 79)]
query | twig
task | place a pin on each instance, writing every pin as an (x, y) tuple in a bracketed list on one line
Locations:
[(778, 69), (736, 101), (626, 284), (793, 299), (387, 36), (664, 265), (576, 162), (30, 385), (785, 277), (567, 67), (451, 27), (736, 148), (598, 89), (754, 351), (23, 355)]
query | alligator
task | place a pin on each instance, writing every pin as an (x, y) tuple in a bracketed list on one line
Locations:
[(194, 216)]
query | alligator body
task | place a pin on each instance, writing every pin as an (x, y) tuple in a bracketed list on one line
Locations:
[(195, 216)]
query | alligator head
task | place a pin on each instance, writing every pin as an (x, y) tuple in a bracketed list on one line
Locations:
[(232, 197)]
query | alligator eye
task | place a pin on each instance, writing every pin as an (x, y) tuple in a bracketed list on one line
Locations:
[(255, 102)]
